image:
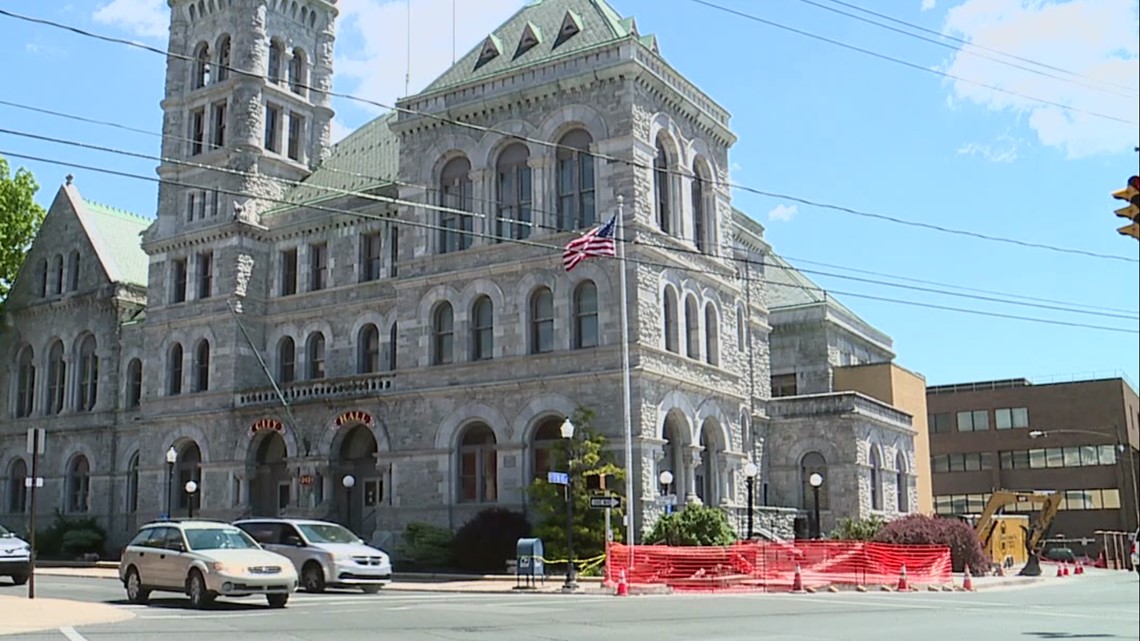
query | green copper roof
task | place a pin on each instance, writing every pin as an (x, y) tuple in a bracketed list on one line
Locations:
[(788, 287), (366, 159), (553, 23), (115, 236)]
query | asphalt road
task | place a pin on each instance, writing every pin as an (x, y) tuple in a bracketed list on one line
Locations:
[(1105, 606)]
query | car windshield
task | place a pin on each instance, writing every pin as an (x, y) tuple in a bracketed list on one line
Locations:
[(219, 539), (4, 531), (328, 533)]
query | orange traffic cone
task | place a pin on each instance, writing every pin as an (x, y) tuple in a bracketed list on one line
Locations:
[(1066, 569), (903, 587), (1059, 571), (798, 581), (622, 586), (968, 581), (1080, 569)]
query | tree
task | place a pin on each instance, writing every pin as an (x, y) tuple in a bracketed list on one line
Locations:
[(591, 459), (20, 220)]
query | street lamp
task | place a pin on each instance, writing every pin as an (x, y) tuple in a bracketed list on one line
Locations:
[(567, 431), (171, 459), (750, 478), (191, 487), (666, 479), (816, 480), (349, 481)]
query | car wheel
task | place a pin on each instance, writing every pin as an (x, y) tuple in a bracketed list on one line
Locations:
[(370, 589), (313, 577), (277, 600), (200, 597), (19, 579), (135, 591)]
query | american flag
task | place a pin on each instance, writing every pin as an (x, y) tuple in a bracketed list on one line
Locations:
[(599, 241)]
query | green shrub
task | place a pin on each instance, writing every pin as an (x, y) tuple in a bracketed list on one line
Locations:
[(427, 546), (850, 529), (919, 529), (694, 525), (485, 542), (70, 538)]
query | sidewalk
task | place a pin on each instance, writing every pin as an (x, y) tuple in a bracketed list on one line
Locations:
[(20, 615)]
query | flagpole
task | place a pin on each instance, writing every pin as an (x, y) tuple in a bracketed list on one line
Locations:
[(626, 384)]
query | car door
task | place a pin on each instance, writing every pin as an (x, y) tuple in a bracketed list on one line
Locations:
[(290, 544), (163, 565), (178, 558)]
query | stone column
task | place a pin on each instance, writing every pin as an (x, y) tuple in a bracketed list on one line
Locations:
[(543, 216), (692, 461), (483, 206)]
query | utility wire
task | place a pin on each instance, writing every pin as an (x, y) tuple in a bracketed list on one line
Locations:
[(940, 43), (1086, 308), (974, 45), (559, 248), (674, 250), (907, 63), (554, 145)]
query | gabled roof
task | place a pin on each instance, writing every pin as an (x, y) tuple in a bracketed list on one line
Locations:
[(563, 27), (367, 159), (114, 233)]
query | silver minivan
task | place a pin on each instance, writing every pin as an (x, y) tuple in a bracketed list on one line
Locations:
[(325, 554)]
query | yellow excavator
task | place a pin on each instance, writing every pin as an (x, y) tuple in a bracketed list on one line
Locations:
[(1048, 503)]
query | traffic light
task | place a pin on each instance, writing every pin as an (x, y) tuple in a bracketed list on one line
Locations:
[(1131, 195)]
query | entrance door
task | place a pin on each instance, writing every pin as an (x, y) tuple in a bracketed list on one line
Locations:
[(270, 473)]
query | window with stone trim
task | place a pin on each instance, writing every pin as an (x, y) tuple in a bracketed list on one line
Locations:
[(784, 385), (25, 381), (296, 136), (57, 375), (662, 182), (297, 72), (79, 485), (134, 383), (88, 374), (289, 272), (586, 331), (57, 264), (692, 328), (178, 280), (17, 502), (197, 130), (712, 335), (318, 266), (174, 370), (814, 463), (273, 128), (225, 47), (514, 194), (541, 321), (700, 206), (202, 366), (876, 477), (901, 484), (42, 274), (368, 344), (478, 465), (133, 484), (393, 339), (483, 329), (205, 274), (543, 444), (575, 178), (669, 313), (201, 66), (371, 256), (456, 228), (287, 360), (443, 334), (73, 270), (315, 351), (218, 116), (276, 55)]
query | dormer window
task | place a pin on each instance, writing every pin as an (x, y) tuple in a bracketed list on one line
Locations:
[(571, 26), (531, 36), (491, 50)]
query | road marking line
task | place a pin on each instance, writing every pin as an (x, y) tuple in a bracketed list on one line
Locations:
[(71, 634)]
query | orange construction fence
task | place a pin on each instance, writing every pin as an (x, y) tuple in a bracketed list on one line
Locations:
[(769, 566)]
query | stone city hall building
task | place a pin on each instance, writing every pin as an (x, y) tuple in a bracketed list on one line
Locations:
[(403, 289)]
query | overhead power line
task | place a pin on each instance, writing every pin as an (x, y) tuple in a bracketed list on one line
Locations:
[(556, 248), (674, 250), (555, 145)]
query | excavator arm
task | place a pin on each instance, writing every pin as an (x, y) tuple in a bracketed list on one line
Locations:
[(1048, 503)]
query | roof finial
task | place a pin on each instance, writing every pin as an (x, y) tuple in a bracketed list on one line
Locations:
[(68, 179)]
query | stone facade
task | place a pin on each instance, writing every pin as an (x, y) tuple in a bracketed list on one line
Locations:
[(394, 309)]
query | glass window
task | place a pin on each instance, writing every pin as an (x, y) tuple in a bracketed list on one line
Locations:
[(987, 460), (940, 423), (1107, 454), (1090, 455), (1054, 457), (1002, 419), (229, 538), (1020, 416), (1072, 457), (965, 422), (1005, 460), (973, 462), (1110, 499), (957, 463), (1036, 459), (1021, 460), (940, 463)]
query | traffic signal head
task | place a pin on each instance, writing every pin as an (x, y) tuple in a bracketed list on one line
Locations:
[(1130, 195)]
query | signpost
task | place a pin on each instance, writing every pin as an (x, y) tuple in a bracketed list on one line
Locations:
[(606, 502), (36, 438)]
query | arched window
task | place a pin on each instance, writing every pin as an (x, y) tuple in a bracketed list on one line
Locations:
[(669, 311), (224, 47), (287, 360), (57, 375), (443, 334), (42, 274), (202, 366), (876, 461), (315, 351), (698, 208), (901, 483), (393, 337), (546, 438), (368, 346), (576, 204), (134, 383), (79, 485), (73, 271), (478, 465), (25, 381), (814, 463), (661, 184), (514, 193), (133, 484), (712, 335), (57, 264), (740, 327), (17, 491), (483, 329), (455, 195), (202, 66), (541, 321), (189, 469), (297, 66), (174, 371), (276, 53), (88, 374), (586, 315), (692, 328)]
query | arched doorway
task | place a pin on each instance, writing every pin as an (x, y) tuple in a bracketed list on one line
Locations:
[(270, 487), (356, 458), (709, 481), (187, 467)]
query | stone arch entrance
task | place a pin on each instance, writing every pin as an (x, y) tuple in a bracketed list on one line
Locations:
[(355, 458), (270, 488), (187, 467)]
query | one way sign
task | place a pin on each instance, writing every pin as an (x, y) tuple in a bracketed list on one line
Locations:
[(602, 502)]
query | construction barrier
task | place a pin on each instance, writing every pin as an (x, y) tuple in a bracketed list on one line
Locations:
[(768, 566)]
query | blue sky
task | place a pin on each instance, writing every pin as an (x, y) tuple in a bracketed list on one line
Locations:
[(815, 121)]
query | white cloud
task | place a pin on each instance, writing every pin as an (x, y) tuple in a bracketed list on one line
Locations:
[(1003, 150), (783, 213), (339, 130), (143, 18), (378, 69), (1095, 39), (927, 5)]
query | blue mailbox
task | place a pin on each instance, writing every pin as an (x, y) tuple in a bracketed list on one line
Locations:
[(530, 564)]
